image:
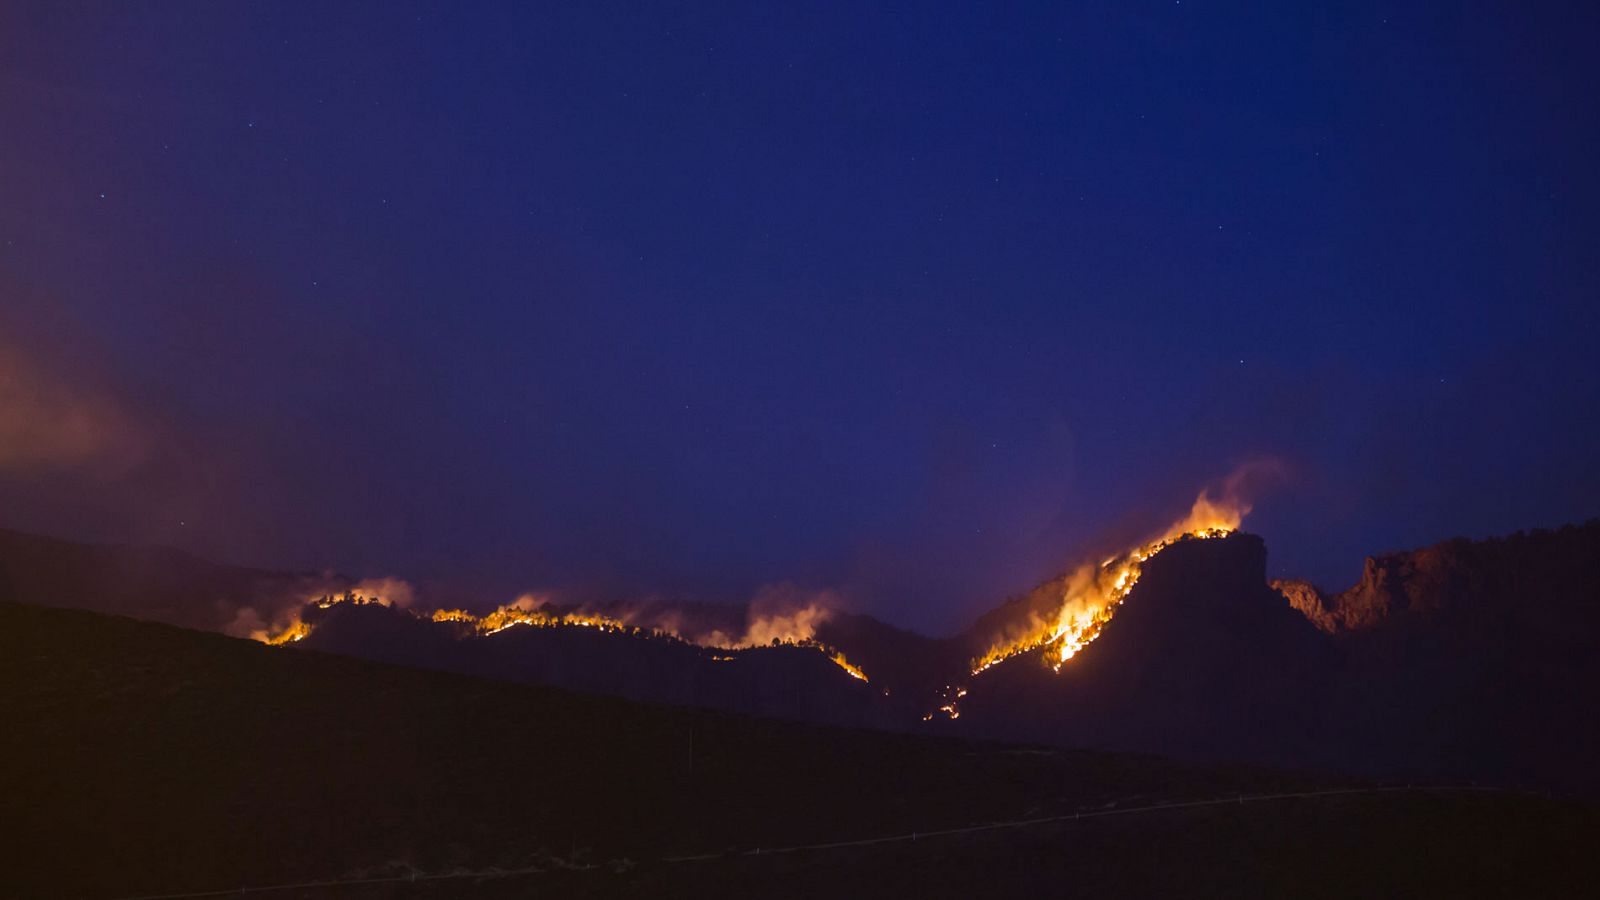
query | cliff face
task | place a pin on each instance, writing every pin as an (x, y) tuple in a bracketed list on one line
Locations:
[(1546, 580), (1399, 585), (1468, 659), (1306, 599)]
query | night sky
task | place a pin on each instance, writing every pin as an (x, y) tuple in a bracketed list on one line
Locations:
[(915, 304)]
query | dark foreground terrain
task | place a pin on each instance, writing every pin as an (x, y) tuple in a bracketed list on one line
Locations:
[(142, 759)]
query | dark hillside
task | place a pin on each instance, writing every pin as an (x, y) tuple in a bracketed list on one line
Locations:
[(142, 759), (145, 758), (784, 681)]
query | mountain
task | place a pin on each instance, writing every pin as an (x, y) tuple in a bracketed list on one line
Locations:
[(1201, 660), (1470, 659), (907, 664), (1542, 583), (1466, 661), (142, 759)]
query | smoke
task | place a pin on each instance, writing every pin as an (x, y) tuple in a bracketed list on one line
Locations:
[(528, 603), (783, 612), (87, 450), (247, 622), (281, 617), (52, 419), (786, 613), (395, 592), (1247, 483)]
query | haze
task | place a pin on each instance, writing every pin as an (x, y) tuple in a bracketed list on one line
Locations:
[(696, 301)]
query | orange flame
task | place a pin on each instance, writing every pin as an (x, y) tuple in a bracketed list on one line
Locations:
[(296, 631), (1092, 593), (771, 624), (287, 625)]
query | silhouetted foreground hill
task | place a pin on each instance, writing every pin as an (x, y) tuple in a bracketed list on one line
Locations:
[(145, 759)]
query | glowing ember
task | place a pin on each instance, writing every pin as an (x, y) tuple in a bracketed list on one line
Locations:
[(949, 696)]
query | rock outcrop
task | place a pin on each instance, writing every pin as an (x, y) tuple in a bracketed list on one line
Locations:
[(1543, 578)]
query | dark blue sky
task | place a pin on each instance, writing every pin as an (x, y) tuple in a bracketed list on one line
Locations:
[(915, 303)]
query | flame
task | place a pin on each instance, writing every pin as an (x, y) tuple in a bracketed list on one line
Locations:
[(296, 631), (452, 615), (1091, 593), (512, 616), (845, 664), (792, 628), (292, 627), (782, 624)]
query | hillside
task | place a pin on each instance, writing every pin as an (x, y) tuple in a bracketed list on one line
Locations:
[(1202, 660), (155, 583), (142, 758), (1484, 655), (782, 681)]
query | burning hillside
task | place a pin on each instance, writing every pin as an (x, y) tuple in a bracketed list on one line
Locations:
[(1062, 617), (1089, 596), (672, 651), (768, 624)]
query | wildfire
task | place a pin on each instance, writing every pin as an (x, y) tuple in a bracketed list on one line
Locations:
[(295, 632), (845, 664), (452, 615), (297, 629), (514, 615), (792, 627), (1091, 594)]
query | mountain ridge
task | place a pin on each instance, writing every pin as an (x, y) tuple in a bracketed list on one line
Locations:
[(1469, 660)]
